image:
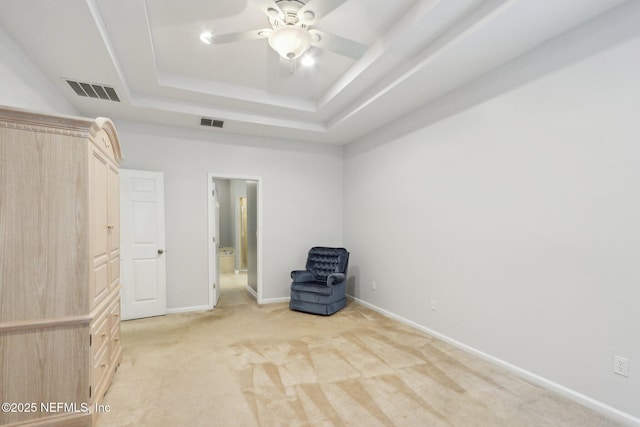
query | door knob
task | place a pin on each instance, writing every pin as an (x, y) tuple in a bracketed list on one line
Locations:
[(160, 251)]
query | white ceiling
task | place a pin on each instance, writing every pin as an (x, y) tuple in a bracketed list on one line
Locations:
[(151, 53)]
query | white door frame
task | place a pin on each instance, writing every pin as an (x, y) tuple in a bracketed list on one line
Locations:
[(214, 276), (214, 236)]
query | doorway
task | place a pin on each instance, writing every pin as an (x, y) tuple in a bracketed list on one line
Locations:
[(235, 234)]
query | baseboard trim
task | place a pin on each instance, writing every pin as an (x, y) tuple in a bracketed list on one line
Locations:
[(275, 300), (602, 408), (252, 292), (187, 309)]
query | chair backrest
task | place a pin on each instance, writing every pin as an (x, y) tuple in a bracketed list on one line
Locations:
[(323, 261)]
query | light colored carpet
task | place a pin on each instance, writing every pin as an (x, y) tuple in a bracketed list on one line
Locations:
[(248, 365)]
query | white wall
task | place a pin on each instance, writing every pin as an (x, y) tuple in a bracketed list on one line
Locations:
[(23, 85), (225, 213), (519, 215), (301, 194)]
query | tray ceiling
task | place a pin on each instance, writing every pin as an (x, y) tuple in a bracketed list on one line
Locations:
[(150, 52)]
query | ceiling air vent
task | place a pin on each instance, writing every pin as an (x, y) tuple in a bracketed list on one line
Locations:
[(209, 122), (93, 90)]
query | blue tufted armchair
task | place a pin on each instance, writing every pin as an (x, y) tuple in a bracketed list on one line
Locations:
[(320, 288)]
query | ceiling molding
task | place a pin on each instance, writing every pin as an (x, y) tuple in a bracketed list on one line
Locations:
[(150, 52)]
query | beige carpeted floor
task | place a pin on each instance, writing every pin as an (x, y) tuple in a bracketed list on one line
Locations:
[(248, 365)]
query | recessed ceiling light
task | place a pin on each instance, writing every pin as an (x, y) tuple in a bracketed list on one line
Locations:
[(308, 61), (206, 37)]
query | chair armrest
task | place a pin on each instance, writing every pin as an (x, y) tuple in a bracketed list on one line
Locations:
[(301, 276), (335, 278)]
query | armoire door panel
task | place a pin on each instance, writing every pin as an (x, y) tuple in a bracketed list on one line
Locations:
[(101, 280), (44, 356), (114, 270), (99, 199), (113, 203), (43, 228)]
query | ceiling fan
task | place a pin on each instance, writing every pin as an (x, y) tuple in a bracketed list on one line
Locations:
[(292, 30)]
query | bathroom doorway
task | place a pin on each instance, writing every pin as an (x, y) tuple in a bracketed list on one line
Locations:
[(235, 217)]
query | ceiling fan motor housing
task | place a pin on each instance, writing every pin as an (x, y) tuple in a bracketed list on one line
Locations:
[(289, 37)]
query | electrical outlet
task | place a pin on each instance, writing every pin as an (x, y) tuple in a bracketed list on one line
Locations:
[(434, 304), (621, 366), (373, 285)]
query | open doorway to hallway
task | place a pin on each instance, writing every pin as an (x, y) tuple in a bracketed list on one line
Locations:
[(234, 238), (233, 288)]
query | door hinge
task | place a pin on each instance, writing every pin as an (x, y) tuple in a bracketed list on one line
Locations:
[(90, 340), (89, 391)]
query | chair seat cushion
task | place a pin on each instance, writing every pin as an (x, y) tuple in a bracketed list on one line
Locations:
[(312, 287)]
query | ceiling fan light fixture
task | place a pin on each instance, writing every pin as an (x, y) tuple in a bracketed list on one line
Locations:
[(290, 41)]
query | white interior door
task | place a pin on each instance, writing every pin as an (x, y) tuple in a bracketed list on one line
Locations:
[(142, 239)]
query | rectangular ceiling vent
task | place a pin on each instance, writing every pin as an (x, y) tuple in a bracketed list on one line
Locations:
[(92, 90), (209, 122)]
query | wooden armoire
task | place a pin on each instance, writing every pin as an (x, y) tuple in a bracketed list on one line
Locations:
[(59, 267)]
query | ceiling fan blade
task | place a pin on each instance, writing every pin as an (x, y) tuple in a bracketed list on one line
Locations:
[(269, 8), (318, 9), (241, 36), (337, 44)]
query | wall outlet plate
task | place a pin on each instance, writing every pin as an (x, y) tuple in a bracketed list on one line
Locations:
[(621, 366)]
